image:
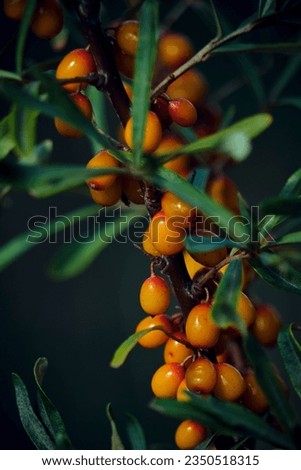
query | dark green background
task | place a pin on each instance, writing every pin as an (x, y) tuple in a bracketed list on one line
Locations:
[(79, 323)]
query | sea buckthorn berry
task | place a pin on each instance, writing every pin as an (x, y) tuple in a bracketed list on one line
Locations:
[(181, 392), (266, 325), (155, 338), (180, 164), (210, 258), (192, 266), (147, 245), (127, 36), (230, 384), (175, 351), (167, 235), (201, 331), (77, 63), (107, 197), (190, 434), (224, 191), (173, 206), (152, 135), (66, 129), (246, 309), (253, 397), (154, 295), (191, 85), (182, 112), (131, 188), (174, 49), (160, 107), (201, 376), (14, 9), (124, 62), (128, 90), (102, 160), (48, 19), (166, 380)]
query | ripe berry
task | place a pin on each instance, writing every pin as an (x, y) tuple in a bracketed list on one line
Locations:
[(181, 392), (127, 37), (246, 310), (254, 398), (210, 258), (173, 206), (190, 434), (174, 49), (152, 134), (102, 160), (131, 188), (48, 19), (182, 112), (224, 191), (230, 384), (107, 197), (66, 129), (154, 295), (201, 331), (160, 107), (201, 376), (192, 266), (148, 246), (166, 380), (77, 63), (124, 62), (266, 325), (191, 85), (180, 164), (155, 338), (14, 9), (167, 235), (174, 351)]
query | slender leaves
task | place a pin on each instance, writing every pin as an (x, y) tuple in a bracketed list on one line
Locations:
[(290, 351), (135, 433), (24, 27)]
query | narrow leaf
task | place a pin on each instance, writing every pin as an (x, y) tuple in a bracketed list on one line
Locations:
[(285, 77), (290, 351), (144, 66), (33, 427), (135, 433), (205, 242), (24, 27), (288, 239), (200, 178), (116, 442)]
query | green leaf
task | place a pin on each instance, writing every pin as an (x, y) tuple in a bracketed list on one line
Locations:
[(24, 27), (7, 142), (266, 7), (205, 242), (281, 275), (10, 75), (135, 433), (218, 25), (288, 206), (98, 101), (284, 78), (224, 308), (265, 375), (126, 347), (290, 351), (170, 181), (200, 178), (49, 414), (222, 417), (288, 239), (22, 243), (249, 127), (116, 443), (294, 101), (240, 47), (76, 257), (33, 427), (144, 66)]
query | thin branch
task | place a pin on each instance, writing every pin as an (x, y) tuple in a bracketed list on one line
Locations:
[(219, 30)]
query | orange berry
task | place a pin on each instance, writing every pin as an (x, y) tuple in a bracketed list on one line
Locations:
[(191, 85), (182, 112), (48, 19), (246, 309), (127, 36), (230, 384), (166, 235), (14, 9), (152, 135), (131, 188), (181, 392), (266, 325), (180, 164), (124, 62), (102, 160), (192, 266), (107, 197), (201, 331), (174, 49), (190, 434), (174, 351), (254, 398), (128, 90), (173, 206), (166, 380), (201, 376), (210, 258), (224, 191), (148, 246), (154, 295), (155, 338), (77, 63), (66, 129)]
